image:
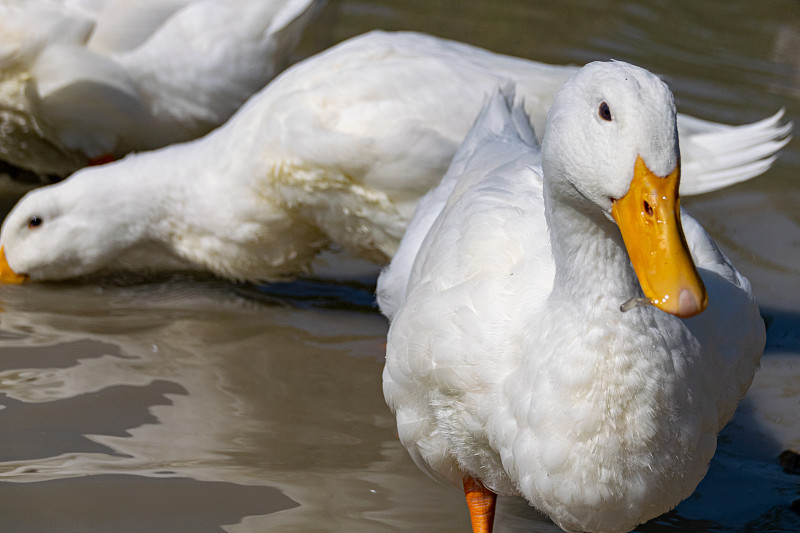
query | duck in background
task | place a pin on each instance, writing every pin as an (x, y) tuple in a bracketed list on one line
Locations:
[(337, 149), (88, 81), (560, 327)]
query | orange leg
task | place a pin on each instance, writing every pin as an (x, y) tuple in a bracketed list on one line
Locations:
[(480, 501)]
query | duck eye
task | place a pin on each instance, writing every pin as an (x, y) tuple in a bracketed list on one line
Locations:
[(35, 222), (605, 112)]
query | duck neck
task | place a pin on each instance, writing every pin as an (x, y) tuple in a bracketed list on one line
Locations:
[(593, 270), (147, 194), (231, 221)]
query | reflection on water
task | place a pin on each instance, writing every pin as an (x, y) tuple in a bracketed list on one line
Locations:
[(186, 379), (190, 405)]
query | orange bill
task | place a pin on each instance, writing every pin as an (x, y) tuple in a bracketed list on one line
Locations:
[(649, 219), (481, 502), (7, 275)]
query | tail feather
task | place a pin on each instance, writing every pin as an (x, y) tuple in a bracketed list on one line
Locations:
[(717, 155)]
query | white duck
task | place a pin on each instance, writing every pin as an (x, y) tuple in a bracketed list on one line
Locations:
[(339, 148), (511, 366), (92, 80)]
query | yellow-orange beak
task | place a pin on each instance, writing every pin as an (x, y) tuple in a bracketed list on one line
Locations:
[(649, 219), (6, 274)]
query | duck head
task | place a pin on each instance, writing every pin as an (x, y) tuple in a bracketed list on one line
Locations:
[(612, 141), (66, 230)]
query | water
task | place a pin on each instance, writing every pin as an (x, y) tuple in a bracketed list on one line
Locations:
[(193, 405)]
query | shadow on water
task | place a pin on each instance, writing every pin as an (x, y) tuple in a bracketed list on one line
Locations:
[(306, 293), (783, 330), (61, 356), (87, 414), (132, 504)]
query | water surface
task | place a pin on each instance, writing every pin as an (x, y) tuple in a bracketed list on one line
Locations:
[(194, 405)]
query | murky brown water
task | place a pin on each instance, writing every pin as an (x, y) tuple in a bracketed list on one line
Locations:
[(191, 405)]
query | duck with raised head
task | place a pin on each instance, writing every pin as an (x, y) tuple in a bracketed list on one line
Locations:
[(560, 328)]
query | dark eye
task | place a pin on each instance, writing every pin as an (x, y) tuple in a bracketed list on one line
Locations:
[(604, 111), (35, 222)]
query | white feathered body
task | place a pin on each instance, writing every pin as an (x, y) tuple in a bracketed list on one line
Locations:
[(601, 419), (81, 80), (355, 136)]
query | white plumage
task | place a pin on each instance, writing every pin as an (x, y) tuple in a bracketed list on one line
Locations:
[(88, 79), (508, 357), (338, 149)]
